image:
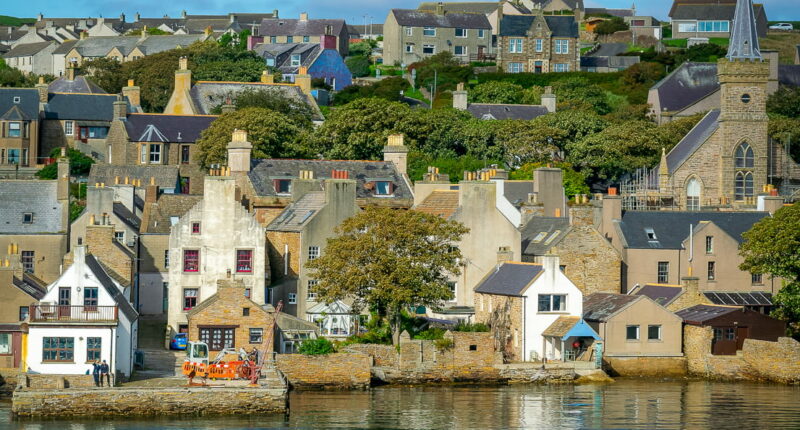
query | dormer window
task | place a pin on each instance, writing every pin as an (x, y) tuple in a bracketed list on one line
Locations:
[(27, 218), (282, 186), (295, 60), (383, 188), (17, 99), (651, 234)]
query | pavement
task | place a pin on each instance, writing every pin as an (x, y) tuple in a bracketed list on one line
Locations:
[(610, 49)]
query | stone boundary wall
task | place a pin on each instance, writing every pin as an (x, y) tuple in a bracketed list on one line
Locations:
[(148, 402), (382, 355), (54, 382), (645, 366), (757, 361), (9, 378), (333, 371)]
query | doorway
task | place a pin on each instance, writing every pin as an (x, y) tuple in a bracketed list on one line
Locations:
[(64, 301)]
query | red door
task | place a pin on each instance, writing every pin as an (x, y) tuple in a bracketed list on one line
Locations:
[(16, 348), (741, 335), (64, 302)]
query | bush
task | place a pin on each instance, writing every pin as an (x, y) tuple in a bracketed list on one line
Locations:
[(319, 346), (359, 66), (430, 334), (471, 327), (443, 344), (611, 26), (79, 164)]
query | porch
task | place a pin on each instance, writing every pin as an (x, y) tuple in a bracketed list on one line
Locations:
[(61, 314)]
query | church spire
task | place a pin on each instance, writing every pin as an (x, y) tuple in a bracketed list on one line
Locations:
[(744, 36)]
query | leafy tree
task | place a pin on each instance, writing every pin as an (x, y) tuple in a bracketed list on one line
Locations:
[(362, 49), (272, 134), (358, 66), (786, 131), (386, 89), (358, 130), (785, 102), (438, 132), (235, 41), (152, 31), (611, 26), (527, 141), (578, 92), (105, 72), (273, 100), (574, 182), (443, 70), (772, 246), (643, 74), (79, 164), (575, 124), (319, 346), (455, 167), (496, 92), (704, 52), (674, 131), (389, 261)]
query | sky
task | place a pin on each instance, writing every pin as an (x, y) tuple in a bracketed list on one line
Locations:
[(353, 11)]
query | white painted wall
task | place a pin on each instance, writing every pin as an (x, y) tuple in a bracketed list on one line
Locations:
[(151, 296)]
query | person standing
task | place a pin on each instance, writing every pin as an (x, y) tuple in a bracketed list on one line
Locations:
[(104, 374), (96, 373)]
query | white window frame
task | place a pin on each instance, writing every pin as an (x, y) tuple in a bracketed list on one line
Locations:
[(432, 47), (638, 333), (561, 67), (454, 289), (143, 154), (296, 60), (463, 51), (481, 33), (69, 128), (562, 46), (539, 45), (311, 296), (464, 34), (292, 298), (313, 252), (687, 27), (409, 31), (515, 45), (429, 31), (409, 48), (155, 153), (660, 333), (516, 67), (550, 305)]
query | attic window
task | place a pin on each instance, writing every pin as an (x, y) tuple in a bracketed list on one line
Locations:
[(27, 218), (552, 237), (539, 237), (282, 186), (651, 234), (383, 188), (17, 99)]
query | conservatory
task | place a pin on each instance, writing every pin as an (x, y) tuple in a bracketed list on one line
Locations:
[(333, 319)]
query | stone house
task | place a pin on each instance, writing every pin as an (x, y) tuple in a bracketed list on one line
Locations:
[(127, 48), (83, 317), (18, 291), (167, 178), (633, 326), (230, 319), (491, 111), (109, 205), (697, 18), (160, 211), (413, 35), (204, 98), (305, 30), (216, 239), (538, 44), (19, 128), (299, 234), (32, 58), (490, 9), (160, 140), (558, 7), (730, 327), (36, 215), (521, 301), (320, 61)]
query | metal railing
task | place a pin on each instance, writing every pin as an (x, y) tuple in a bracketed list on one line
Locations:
[(73, 314)]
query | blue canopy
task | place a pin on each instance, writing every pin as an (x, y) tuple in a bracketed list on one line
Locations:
[(581, 329)]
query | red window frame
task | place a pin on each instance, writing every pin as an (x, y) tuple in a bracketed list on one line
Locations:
[(195, 228), (244, 261), (189, 302), (191, 260)]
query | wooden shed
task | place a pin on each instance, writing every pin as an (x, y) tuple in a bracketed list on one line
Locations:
[(732, 325)]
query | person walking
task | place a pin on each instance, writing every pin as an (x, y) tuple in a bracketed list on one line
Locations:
[(104, 374), (96, 373)]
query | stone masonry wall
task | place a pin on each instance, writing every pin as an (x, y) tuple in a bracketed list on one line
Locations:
[(342, 370), (53, 382), (382, 355), (504, 315), (645, 366), (591, 262), (8, 380), (776, 361), (148, 402)]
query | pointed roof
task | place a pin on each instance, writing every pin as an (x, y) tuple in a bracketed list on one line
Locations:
[(744, 35)]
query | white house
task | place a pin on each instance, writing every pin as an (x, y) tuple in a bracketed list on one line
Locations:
[(83, 317), (524, 300)]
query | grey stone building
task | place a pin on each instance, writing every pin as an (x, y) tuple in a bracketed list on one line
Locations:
[(413, 35), (305, 30), (538, 44)]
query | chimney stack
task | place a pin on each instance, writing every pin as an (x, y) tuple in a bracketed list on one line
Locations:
[(549, 189), (440, 8), (275, 13), (132, 93), (239, 150), (71, 72), (460, 97), (396, 152), (43, 90), (549, 99), (612, 210), (504, 253), (304, 16), (303, 80), (120, 109)]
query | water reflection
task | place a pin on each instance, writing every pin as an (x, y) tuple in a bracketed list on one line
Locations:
[(624, 404)]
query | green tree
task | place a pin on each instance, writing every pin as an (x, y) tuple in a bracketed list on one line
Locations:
[(496, 92), (576, 124), (527, 141), (785, 102), (358, 65), (386, 89), (611, 26), (389, 261), (105, 72), (772, 247), (579, 93), (79, 164), (319, 346), (442, 70), (438, 132), (272, 134), (273, 100)]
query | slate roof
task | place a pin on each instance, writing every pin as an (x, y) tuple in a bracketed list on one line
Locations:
[(86, 107), (166, 176), (686, 85), (693, 140), (561, 326), (156, 219), (296, 27), (31, 285), (422, 18), (672, 228), (542, 233), (36, 197), (263, 171), (27, 49), (4, 48), (709, 10), (755, 298), (615, 61), (518, 25), (485, 8), (601, 307), (81, 84), (208, 95), (100, 46), (517, 191), (28, 101), (509, 279), (100, 273), (282, 53), (661, 294), (126, 216), (622, 13), (789, 74), (443, 203), (700, 314), (297, 214), (166, 128), (503, 111), (65, 47)]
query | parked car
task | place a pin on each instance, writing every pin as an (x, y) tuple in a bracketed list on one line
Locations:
[(782, 26), (179, 341)]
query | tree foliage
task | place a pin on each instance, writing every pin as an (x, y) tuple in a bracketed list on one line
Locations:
[(501, 92), (358, 65), (386, 89), (79, 164), (574, 182), (785, 102), (272, 134), (389, 260), (611, 26), (772, 247), (274, 100), (320, 346), (442, 70)]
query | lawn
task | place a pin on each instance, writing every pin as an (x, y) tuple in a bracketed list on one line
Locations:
[(681, 43), (15, 22), (415, 94), (782, 41)]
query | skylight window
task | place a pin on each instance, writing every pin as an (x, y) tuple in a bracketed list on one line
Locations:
[(552, 237), (651, 234), (539, 237)]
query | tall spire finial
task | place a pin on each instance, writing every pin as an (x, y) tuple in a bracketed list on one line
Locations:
[(744, 34)]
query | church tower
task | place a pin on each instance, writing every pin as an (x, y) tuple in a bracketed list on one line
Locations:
[(743, 76)]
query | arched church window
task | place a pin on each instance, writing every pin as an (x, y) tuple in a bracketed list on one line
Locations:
[(744, 185), (744, 156), (693, 195), (743, 178)]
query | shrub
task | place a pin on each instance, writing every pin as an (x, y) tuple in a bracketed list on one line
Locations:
[(611, 26), (319, 346), (443, 344), (358, 66), (471, 327), (430, 334)]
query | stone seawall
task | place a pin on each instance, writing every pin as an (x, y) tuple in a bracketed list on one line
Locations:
[(8, 380), (664, 367), (333, 371), (148, 402)]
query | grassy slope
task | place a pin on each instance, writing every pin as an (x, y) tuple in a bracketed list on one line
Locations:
[(783, 42), (13, 21)]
